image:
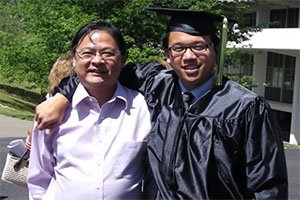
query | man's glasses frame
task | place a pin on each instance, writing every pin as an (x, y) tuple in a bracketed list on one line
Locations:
[(198, 48), (105, 55)]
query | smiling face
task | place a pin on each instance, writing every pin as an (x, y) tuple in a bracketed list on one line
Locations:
[(191, 69), (98, 61)]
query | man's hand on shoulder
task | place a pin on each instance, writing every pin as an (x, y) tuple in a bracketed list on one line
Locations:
[(49, 113)]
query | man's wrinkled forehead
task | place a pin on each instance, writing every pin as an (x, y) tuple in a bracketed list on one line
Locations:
[(93, 36)]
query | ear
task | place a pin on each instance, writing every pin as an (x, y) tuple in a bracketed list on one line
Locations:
[(73, 63), (167, 55), (123, 60)]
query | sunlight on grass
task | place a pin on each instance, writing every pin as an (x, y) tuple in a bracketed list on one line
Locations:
[(291, 146), (16, 113), (17, 102)]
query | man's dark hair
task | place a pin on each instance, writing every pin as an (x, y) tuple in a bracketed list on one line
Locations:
[(102, 26)]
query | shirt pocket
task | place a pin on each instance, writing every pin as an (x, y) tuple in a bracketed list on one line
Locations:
[(131, 160)]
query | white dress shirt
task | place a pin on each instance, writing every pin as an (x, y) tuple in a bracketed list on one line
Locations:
[(96, 153)]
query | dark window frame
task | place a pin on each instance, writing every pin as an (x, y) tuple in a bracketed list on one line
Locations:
[(284, 18), (280, 76)]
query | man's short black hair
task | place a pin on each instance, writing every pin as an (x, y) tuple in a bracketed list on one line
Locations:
[(102, 26)]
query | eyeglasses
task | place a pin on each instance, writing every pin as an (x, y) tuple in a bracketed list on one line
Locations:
[(197, 49), (89, 54)]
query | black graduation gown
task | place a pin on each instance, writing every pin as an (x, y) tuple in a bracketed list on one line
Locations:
[(226, 146)]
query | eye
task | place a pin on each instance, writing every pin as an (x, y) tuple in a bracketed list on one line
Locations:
[(200, 47), (108, 54), (178, 48), (87, 54)]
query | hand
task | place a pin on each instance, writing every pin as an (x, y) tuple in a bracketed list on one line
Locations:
[(28, 139), (49, 114)]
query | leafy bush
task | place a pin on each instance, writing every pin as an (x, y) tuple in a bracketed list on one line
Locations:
[(34, 33)]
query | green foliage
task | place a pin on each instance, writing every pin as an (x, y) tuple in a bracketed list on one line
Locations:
[(144, 54), (34, 33), (246, 81)]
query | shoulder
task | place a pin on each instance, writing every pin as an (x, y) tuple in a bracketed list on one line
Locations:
[(132, 97), (234, 92), (154, 69), (234, 100)]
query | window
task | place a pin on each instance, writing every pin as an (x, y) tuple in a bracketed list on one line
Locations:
[(241, 66), (246, 64), (280, 77), (250, 19), (284, 18)]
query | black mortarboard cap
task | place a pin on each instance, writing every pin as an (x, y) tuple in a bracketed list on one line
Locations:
[(193, 22)]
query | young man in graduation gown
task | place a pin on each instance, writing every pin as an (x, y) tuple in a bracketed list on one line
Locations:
[(223, 142)]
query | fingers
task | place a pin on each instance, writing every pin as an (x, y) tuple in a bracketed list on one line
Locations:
[(28, 145), (49, 114), (51, 128), (47, 123), (28, 140), (42, 117), (43, 121), (44, 124)]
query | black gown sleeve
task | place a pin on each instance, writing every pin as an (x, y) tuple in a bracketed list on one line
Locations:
[(266, 168), (67, 86), (139, 77)]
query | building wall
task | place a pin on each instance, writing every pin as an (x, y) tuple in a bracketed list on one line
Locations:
[(260, 70), (295, 125)]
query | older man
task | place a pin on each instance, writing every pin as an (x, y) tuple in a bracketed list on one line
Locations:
[(100, 149)]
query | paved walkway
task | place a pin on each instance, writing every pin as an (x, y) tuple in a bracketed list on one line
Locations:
[(12, 127)]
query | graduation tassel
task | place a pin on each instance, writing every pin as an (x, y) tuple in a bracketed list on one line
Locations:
[(220, 66)]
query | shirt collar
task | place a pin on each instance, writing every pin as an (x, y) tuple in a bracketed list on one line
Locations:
[(120, 94), (201, 89), (81, 94)]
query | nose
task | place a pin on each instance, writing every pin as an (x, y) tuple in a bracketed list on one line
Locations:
[(98, 58), (189, 54)]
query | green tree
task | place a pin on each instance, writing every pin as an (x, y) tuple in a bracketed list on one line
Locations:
[(33, 33)]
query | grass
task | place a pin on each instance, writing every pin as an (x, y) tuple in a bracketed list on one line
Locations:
[(18, 102), (290, 146)]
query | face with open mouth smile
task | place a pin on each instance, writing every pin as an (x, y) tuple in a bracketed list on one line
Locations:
[(97, 60), (192, 58)]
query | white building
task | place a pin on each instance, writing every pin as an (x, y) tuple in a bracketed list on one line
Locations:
[(275, 59)]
